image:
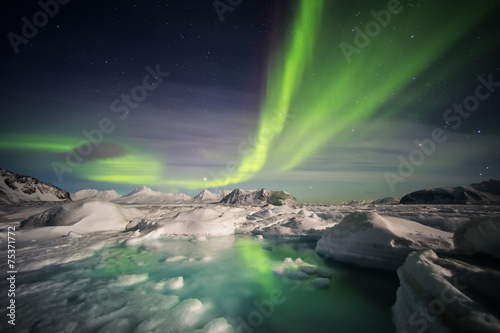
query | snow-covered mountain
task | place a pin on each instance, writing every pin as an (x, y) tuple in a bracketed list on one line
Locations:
[(487, 192), (145, 195), (15, 188), (207, 196), (240, 197), (95, 194)]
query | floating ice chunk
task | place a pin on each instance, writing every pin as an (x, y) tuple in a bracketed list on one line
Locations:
[(128, 280), (117, 325), (176, 258), (186, 313), (324, 273), (298, 275), (171, 284), (152, 324), (291, 269), (308, 269), (219, 325), (321, 283)]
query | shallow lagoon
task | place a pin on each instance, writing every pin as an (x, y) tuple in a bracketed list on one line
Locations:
[(136, 287)]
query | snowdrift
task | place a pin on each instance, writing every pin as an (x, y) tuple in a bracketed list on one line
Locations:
[(199, 221), (368, 239), (80, 217)]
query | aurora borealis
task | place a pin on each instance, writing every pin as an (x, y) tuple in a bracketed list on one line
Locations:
[(319, 98)]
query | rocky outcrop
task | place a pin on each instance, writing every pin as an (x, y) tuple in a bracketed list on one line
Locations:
[(15, 188), (261, 197)]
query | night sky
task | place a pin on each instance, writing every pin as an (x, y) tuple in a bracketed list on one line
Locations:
[(329, 100)]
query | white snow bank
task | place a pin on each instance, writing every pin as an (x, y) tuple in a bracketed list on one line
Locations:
[(284, 221), (368, 239), (83, 217), (72, 220), (445, 295), (198, 221)]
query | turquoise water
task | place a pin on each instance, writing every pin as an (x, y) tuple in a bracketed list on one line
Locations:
[(233, 276)]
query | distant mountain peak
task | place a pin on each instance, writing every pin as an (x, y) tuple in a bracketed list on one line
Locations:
[(141, 189), (205, 195), (261, 196)]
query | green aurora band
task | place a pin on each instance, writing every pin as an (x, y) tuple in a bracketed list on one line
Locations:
[(313, 93)]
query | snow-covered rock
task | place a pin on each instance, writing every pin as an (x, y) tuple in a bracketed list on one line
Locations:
[(446, 295), (480, 236), (368, 239), (487, 192), (15, 188), (95, 194)]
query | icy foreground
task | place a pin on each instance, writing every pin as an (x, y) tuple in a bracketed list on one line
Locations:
[(95, 265), (439, 294), (371, 240)]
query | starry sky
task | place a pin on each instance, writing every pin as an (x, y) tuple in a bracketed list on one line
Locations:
[(329, 100)]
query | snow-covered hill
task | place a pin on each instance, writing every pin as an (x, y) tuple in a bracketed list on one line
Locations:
[(487, 192), (84, 217), (15, 188), (95, 194), (145, 195)]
